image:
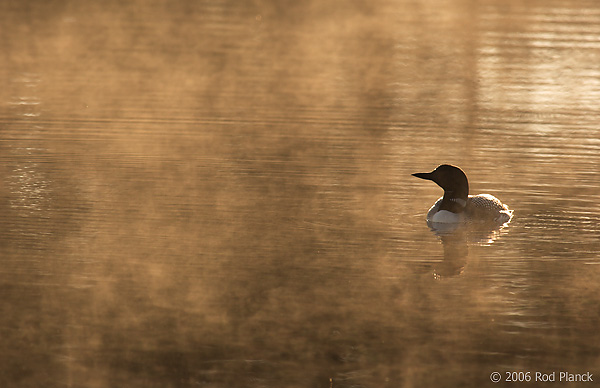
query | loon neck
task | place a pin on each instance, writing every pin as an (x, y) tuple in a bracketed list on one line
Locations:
[(453, 203)]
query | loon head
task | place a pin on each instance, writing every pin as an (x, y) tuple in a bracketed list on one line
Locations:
[(455, 184)]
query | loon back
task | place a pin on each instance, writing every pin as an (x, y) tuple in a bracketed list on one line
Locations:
[(486, 207), (481, 207)]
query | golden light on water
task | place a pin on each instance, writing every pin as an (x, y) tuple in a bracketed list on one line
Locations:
[(219, 193)]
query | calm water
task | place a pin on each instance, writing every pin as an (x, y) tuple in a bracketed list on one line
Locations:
[(218, 193)]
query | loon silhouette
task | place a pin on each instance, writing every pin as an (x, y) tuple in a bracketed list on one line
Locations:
[(457, 205)]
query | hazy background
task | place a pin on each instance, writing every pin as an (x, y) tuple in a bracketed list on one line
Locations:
[(218, 193)]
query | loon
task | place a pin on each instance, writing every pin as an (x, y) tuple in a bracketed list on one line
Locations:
[(457, 205)]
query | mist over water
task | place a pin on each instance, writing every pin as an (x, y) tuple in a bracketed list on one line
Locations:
[(219, 194)]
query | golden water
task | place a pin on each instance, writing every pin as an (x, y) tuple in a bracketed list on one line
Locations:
[(218, 193)]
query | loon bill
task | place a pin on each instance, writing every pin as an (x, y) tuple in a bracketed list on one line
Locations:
[(457, 205)]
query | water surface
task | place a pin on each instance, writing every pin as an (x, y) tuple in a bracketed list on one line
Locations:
[(218, 194)]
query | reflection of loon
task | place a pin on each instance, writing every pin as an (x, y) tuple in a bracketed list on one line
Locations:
[(457, 205)]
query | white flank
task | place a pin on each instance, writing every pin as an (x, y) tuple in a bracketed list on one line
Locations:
[(446, 217)]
